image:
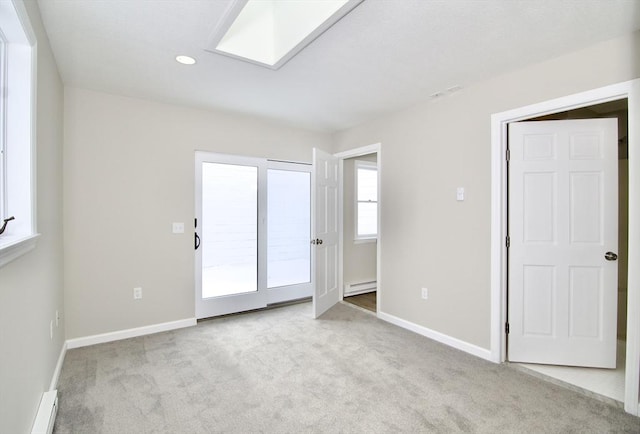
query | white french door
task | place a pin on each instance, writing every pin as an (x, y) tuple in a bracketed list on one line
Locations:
[(325, 199), (563, 218), (252, 233)]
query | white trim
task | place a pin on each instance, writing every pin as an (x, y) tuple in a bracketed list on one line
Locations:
[(58, 370), (17, 248), (129, 333), (365, 240), (359, 152), (358, 288), (437, 336), (499, 122)]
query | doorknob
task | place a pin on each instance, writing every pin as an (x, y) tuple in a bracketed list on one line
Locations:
[(610, 256), (313, 241), (319, 241), (197, 240), (316, 241)]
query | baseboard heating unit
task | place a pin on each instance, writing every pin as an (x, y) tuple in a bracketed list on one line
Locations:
[(47, 411), (359, 288)]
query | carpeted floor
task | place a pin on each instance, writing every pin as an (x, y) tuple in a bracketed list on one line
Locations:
[(280, 371)]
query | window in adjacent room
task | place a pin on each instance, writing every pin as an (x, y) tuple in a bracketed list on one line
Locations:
[(17, 152), (366, 200)]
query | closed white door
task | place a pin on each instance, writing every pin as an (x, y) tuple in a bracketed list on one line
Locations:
[(563, 220), (325, 231)]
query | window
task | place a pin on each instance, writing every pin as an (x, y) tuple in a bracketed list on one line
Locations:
[(17, 92), (3, 87), (270, 32), (366, 200)]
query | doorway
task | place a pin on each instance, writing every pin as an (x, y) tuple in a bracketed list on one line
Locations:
[(360, 230), (329, 223), (500, 122), (253, 226), (607, 383), (359, 262)]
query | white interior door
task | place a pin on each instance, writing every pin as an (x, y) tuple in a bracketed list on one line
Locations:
[(563, 219), (325, 230)]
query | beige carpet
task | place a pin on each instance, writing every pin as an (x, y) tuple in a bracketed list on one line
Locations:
[(280, 371)]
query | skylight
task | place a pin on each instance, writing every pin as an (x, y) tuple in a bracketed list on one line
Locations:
[(271, 32)]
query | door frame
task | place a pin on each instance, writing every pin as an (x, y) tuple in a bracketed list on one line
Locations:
[(499, 122), (376, 148), (263, 296)]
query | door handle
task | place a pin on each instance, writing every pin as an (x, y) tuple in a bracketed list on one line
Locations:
[(316, 241), (4, 226), (196, 240), (319, 241), (610, 256)]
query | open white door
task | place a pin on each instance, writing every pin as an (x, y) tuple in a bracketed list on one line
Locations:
[(563, 220), (325, 231)]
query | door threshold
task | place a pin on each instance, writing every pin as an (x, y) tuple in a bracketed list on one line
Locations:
[(262, 309), (362, 309), (527, 369)]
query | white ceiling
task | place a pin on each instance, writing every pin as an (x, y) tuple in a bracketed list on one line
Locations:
[(384, 56)]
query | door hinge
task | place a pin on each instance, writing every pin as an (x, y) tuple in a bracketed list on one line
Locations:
[(506, 328), (508, 155), (508, 241)]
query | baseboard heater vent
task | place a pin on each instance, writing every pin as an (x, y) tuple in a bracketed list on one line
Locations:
[(47, 411), (359, 288)]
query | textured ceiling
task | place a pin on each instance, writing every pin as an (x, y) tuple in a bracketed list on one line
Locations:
[(384, 56)]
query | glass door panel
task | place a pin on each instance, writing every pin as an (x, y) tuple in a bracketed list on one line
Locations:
[(229, 229), (289, 228), (253, 230)]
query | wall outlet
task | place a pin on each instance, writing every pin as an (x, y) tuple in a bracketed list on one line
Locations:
[(51, 329), (137, 293), (178, 228), (425, 293)]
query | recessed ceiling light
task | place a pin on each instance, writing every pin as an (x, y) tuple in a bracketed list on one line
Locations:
[(185, 60), (270, 32)]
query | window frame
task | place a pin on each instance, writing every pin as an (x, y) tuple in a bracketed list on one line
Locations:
[(18, 133), (3, 122), (364, 165)]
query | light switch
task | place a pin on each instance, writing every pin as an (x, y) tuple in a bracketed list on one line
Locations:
[(460, 193), (178, 228)]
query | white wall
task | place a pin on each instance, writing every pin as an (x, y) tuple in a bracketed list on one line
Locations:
[(428, 238), (129, 173), (31, 286), (359, 259)]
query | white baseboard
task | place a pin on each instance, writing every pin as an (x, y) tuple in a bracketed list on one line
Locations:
[(359, 288), (437, 336), (129, 333), (56, 373), (360, 292)]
